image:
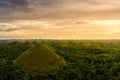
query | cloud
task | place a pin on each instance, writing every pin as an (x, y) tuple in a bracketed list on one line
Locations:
[(11, 6), (71, 22), (45, 2), (59, 9), (7, 27), (62, 18), (25, 25), (13, 3)]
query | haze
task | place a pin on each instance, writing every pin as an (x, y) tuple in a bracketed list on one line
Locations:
[(60, 19)]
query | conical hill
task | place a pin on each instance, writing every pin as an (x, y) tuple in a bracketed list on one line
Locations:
[(39, 57)]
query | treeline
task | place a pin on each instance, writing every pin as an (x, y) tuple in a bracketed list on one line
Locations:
[(85, 60)]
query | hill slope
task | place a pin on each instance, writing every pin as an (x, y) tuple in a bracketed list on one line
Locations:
[(39, 57)]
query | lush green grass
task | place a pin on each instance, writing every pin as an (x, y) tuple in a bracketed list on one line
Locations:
[(39, 57)]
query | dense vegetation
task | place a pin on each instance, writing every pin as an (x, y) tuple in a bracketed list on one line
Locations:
[(85, 60), (39, 57)]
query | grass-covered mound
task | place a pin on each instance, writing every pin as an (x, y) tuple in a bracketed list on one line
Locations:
[(39, 57)]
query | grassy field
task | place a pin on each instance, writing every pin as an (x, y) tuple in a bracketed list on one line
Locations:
[(83, 59)]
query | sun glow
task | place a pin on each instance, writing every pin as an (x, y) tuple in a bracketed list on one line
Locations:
[(107, 22)]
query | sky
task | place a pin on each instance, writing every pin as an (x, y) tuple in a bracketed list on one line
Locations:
[(60, 19)]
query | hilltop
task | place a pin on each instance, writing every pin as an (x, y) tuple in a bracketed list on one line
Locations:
[(40, 57)]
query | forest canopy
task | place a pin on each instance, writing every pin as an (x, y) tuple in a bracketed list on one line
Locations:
[(85, 60)]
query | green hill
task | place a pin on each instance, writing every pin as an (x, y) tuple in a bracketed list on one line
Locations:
[(39, 57)]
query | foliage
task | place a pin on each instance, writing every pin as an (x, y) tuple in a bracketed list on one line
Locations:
[(85, 60), (39, 57)]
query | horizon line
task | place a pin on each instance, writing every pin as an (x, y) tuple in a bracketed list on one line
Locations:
[(59, 38)]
